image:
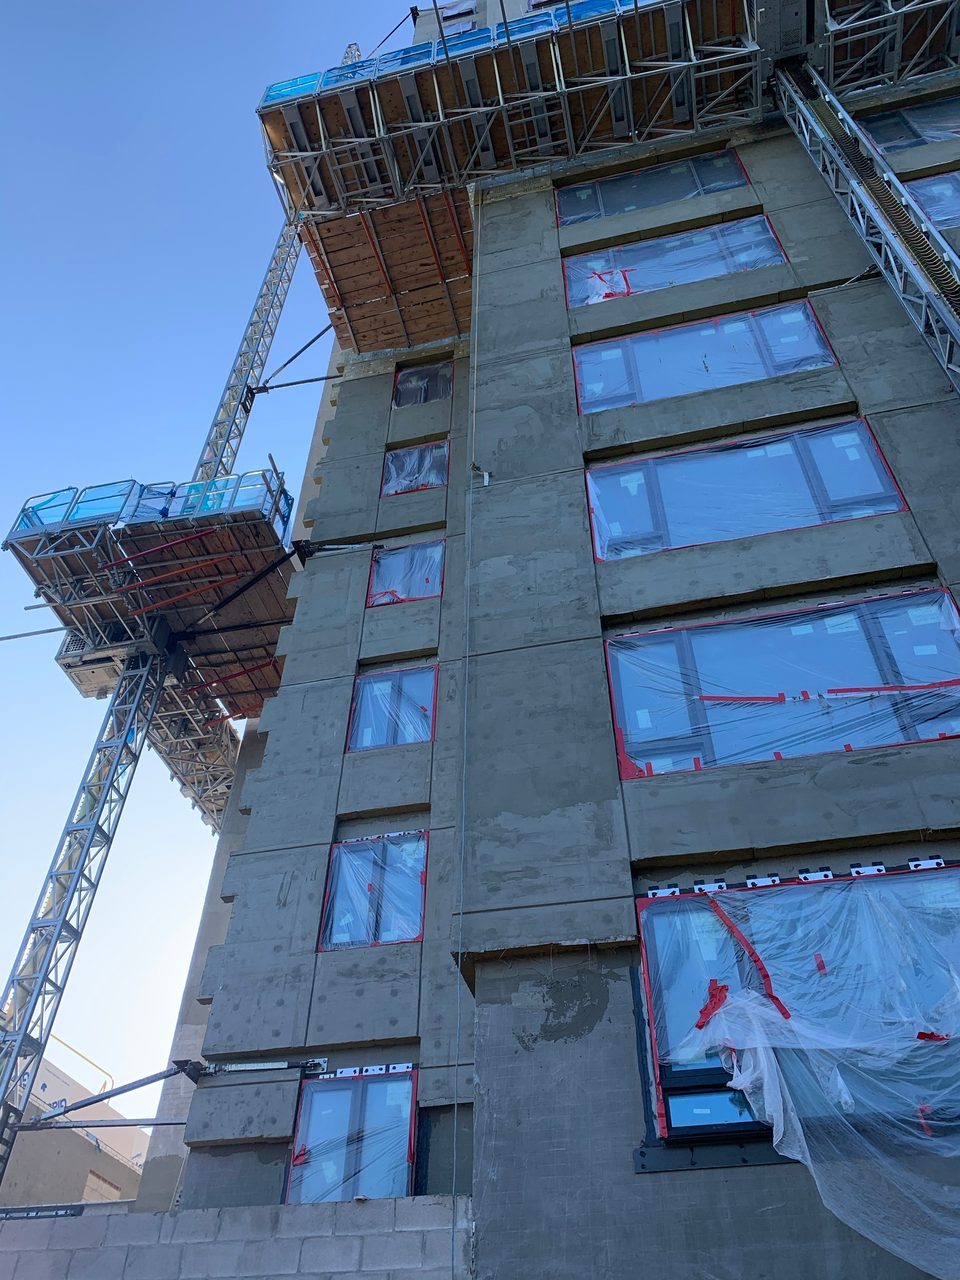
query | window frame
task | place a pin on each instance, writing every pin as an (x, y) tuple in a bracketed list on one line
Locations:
[(700, 726), (380, 880), (760, 340), (597, 183), (375, 672), (420, 488), (707, 1079), (352, 1077), (646, 463), (371, 603), (723, 251), (913, 183), (429, 364)]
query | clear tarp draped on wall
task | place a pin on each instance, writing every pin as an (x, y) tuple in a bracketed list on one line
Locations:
[(835, 1006), (374, 891), (400, 574), (422, 466)]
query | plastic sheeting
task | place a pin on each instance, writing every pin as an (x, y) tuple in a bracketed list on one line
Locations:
[(422, 466), (375, 892), (835, 1006), (423, 384), (939, 197), (738, 489), (688, 256), (657, 364), (841, 677), (399, 574), (391, 708), (912, 127), (353, 1138), (661, 184)]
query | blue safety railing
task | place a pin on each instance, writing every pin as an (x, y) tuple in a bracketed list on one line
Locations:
[(429, 52), (125, 502)]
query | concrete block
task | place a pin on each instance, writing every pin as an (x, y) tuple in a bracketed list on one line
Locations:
[(439, 1250), (332, 1255), (325, 636), (25, 1234), (86, 1232), (395, 632), (384, 1253), (301, 1220), (269, 1257), (204, 1261), (50, 1265), (359, 1217), (134, 1228), (365, 994), (662, 219), (427, 1213), (156, 1262), (190, 1226), (251, 1111), (532, 576), (97, 1264), (385, 780), (253, 1222), (404, 512), (873, 548)]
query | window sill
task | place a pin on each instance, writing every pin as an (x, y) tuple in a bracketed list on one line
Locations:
[(660, 1158)]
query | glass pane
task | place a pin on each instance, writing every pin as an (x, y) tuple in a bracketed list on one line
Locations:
[(628, 192), (620, 512), (698, 357), (384, 1167), (712, 495), (406, 573), (890, 131), (50, 508), (320, 1170), (354, 881), (939, 198), (101, 501), (605, 376), (850, 468), (374, 712), (415, 711), (712, 1107), (650, 691), (578, 204), (423, 384), (749, 244), (923, 633), (408, 470), (936, 121), (794, 338), (719, 172), (401, 905)]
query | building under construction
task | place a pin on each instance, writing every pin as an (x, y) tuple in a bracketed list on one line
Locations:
[(587, 898)]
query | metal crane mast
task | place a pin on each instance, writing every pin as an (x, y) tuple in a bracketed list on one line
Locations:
[(37, 981)]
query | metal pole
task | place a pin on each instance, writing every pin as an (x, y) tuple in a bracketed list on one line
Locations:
[(36, 984)]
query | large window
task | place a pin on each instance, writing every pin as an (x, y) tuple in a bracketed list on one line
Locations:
[(421, 466), (657, 364), (939, 198), (738, 489), (399, 574), (913, 126), (393, 708), (840, 677), (354, 1136), (625, 269), (423, 384), (375, 891), (627, 192)]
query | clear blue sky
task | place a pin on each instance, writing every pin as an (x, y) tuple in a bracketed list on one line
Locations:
[(136, 222)]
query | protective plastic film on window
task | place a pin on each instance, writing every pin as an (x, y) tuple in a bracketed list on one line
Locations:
[(835, 1008), (840, 677), (354, 1137), (421, 466), (704, 356), (399, 574), (646, 265), (939, 198), (914, 126), (738, 489), (392, 708), (423, 384), (375, 892), (628, 192)]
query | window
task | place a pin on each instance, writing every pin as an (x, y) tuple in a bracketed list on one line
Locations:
[(354, 1136), (458, 9), (393, 708), (801, 949), (728, 351), (422, 466), (840, 677), (399, 574), (913, 126), (628, 192), (939, 198), (738, 489), (625, 269), (423, 384), (375, 891)]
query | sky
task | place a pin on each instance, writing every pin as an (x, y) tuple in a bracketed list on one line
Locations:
[(136, 221)]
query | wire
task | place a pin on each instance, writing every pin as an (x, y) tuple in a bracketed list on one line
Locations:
[(392, 33), (306, 347), (301, 382), (22, 635)]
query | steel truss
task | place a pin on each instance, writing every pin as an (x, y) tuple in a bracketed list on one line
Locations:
[(36, 984), (924, 303), (460, 135), (881, 42), (219, 453)]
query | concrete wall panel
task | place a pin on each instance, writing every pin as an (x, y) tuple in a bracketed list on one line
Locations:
[(254, 1110), (365, 995), (393, 632)]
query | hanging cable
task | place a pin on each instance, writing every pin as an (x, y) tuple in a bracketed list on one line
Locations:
[(306, 347), (414, 14)]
